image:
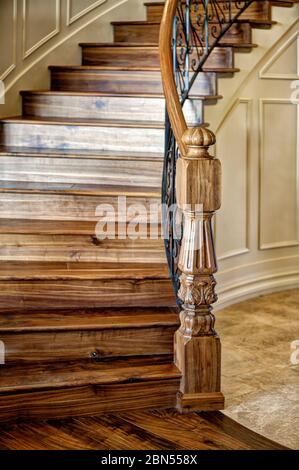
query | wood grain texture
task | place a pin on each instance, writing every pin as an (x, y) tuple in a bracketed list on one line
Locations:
[(59, 104), (75, 134), (92, 294), (85, 319), (105, 54), (84, 388), (256, 11), (88, 400), (72, 346), (51, 376), (145, 430), (148, 32), (93, 79), (99, 133), (75, 335)]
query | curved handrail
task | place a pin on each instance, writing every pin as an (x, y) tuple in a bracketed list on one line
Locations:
[(174, 106), (216, 13)]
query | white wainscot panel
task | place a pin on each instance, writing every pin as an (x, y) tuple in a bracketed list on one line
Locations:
[(41, 22), (8, 28), (232, 219), (78, 8), (278, 218)]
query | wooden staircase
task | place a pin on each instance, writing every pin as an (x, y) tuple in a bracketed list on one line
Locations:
[(88, 324)]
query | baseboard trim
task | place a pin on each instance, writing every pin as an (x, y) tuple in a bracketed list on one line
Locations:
[(229, 295), (200, 402)]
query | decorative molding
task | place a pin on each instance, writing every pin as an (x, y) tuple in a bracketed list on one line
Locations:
[(233, 106), (263, 74), (28, 52), (59, 43), (14, 39), (287, 243), (237, 292), (71, 19)]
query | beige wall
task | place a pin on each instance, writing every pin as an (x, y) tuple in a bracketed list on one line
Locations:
[(257, 229), (38, 33)]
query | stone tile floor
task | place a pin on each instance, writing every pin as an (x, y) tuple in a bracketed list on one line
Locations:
[(260, 384)]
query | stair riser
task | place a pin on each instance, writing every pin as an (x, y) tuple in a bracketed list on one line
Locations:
[(88, 400), (85, 229), (81, 345), (70, 248), (39, 295), (82, 171), (95, 107), (138, 33), (257, 11), (122, 56), (82, 137), (53, 207), (123, 82)]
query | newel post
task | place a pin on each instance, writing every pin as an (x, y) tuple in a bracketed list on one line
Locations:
[(197, 345)]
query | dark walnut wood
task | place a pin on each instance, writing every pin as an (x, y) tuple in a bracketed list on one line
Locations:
[(136, 430), (88, 325)]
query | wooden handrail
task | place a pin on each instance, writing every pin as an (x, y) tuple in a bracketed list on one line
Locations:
[(173, 104)]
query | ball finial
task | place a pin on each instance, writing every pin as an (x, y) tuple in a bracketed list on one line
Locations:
[(198, 137)]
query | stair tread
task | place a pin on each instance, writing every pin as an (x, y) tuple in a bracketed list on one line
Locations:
[(130, 68), (82, 122), (221, 1), (120, 44), (81, 153), (78, 189), (127, 45), (109, 94), (153, 23), (142, 45), (43, 270), (52, 227), (86, 319), (75, 374), (117, 68)]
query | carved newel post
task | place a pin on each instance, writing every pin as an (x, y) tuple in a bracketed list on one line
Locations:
[(197, 346)]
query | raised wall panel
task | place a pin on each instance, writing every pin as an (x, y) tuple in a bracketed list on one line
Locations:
[(284, 63), (78, 8), (8, 29), (41, 22), (278, 174), (232, 219)]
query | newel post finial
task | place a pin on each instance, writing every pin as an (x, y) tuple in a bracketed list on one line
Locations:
[(197, 346)]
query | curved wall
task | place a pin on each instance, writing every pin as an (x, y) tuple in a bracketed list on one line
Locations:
[(37, 33), (257, 127)]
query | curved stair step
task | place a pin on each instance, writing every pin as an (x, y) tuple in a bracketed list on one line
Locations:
[(55, 133), (110, 54), (60, 104), (44, 285), (259, 10), (85, 388), (118, 80), (82, 334), (148, 32)]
